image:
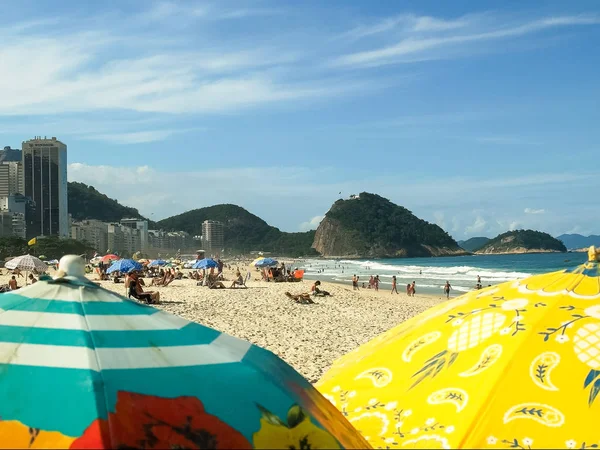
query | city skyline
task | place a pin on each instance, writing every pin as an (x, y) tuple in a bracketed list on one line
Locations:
[(478, 118)]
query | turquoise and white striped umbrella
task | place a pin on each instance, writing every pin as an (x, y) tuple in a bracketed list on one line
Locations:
[(82, 367)]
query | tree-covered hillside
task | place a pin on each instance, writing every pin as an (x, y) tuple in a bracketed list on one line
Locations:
[(474, 243), (371, 225), (522, 241), (85, 202), (244, 232)]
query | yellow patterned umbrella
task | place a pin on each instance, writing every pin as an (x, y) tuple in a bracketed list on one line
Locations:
[(512, 366)]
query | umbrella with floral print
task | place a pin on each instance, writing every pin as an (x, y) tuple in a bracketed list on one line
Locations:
[(85, 368), (511, 366)]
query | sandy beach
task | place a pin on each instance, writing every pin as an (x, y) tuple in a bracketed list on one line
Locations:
[(308, 337)]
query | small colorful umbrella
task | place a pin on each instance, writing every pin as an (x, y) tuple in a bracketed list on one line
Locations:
[(205, 263), (85, 368), (517, 365), (109, 258), (266, 262), (124, 266)]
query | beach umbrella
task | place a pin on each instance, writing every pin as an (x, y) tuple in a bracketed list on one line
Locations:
[(109, 258), (205, 263), (257, 260), (124, 266), (157, 262), (517, 365), (83, 367), (266, 262), (27, 263)]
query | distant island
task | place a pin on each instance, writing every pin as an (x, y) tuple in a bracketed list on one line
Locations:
[(474, 243), (578, 242), (370, 226), (522, 241)]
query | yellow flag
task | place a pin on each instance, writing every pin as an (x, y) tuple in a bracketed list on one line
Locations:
[(32, 242)]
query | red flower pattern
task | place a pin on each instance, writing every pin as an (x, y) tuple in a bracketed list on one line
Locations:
[(143, 421)]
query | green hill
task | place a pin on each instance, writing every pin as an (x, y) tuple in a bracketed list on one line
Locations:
[(474, 243), (244, 232), (85, 202), (523, 241), (370, 226)]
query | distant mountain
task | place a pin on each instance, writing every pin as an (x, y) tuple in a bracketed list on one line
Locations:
[(85, 202), (577, 241), (475, 243), (370, 226), (243, 231), (522, 241)]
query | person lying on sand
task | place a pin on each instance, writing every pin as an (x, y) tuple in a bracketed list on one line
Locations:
[(215, 284), (301, 298)]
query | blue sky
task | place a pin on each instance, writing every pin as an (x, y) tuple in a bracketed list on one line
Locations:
[(478, 116)]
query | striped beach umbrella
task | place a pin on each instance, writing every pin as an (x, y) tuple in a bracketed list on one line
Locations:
[(83, 367)]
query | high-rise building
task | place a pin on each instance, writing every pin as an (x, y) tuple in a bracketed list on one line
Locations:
[(21, 210), (45, 182), (11, 172), (142, 227), (212, 236)]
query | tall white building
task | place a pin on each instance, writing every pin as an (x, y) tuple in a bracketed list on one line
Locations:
[(213, 236), (45, 182), (11, 172)]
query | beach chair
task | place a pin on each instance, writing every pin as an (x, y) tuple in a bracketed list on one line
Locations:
[(299, 275)]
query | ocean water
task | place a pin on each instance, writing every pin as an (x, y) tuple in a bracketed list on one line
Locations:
[(431, 274)]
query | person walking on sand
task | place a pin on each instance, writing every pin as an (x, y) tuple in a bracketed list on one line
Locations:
[(394, 289), (376, 283), (413, 289), (408, 289), (354, 282), (447, 289)]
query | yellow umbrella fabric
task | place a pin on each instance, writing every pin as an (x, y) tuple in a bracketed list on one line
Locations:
[(512, 366)]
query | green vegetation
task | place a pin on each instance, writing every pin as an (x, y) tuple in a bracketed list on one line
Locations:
[(371, 225), (244, 232), (52, 247), (520, 241), (85, 202), (474, 243)]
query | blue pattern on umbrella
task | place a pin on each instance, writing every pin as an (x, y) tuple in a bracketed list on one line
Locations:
[(124, 266), (267, 262), (157, 262), (205, 263)]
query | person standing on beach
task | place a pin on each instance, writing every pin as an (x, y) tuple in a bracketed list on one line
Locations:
[(478, 279), (376, 283), (394, 289), (413, 289), (447, 288), (354, 282)]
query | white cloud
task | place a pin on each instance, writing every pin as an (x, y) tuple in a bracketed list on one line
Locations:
[(312, 224), (477, 227), (534, 211), (416, 48)]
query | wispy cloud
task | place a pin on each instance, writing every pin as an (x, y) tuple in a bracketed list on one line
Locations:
[(534, 211), (407, 23), (416, 48), (312, 224)]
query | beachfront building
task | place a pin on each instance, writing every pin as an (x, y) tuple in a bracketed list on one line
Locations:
[(45, 182), (142, 227), (18, 210), (213, 236), (94, 232), (11, 172)]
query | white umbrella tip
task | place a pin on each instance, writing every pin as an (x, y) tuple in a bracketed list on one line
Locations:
[(72, 266)]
